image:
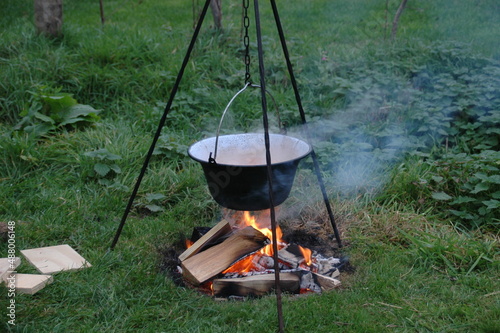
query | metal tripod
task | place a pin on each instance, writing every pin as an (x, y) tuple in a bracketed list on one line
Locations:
[(266, 133)]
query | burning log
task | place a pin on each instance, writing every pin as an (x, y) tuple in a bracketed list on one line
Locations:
[(257, 285), (206, 264), (220, 229), (291, 255)]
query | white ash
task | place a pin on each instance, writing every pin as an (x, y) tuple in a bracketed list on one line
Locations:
[(328, 266), (266, 262), (307, 282)]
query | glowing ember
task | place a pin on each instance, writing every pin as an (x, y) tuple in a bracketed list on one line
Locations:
[(188, 243), (244, 265)]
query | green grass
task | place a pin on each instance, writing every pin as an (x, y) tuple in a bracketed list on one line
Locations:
[(383, 116)]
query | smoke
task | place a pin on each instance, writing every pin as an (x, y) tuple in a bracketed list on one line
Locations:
[(358, 146)]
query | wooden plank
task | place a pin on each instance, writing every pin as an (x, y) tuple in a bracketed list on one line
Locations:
[(257, 285), (53, 259), (31, 283), (220, 229), (206, 264), (8, 265)]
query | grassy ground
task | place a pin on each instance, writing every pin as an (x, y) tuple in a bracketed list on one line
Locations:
[(416, 270)]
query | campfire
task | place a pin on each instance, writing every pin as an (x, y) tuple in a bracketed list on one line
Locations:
[(235, 258)]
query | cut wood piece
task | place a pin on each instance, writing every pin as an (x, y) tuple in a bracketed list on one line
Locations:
[(220, 229), (8, 265), (291, 256), (204, 265), (326, 283), (335, 273), (53, 259), (31, 283), (257, 285)]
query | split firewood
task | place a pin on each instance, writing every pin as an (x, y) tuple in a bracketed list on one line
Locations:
[(206, 264), (325, 282), (256, 285), (291, 256), (220, 229)]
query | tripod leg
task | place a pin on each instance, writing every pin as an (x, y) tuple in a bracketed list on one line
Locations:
[(269, 171), (160, 125), (304, 122)]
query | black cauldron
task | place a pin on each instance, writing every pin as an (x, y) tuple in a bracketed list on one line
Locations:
[(236, 170)]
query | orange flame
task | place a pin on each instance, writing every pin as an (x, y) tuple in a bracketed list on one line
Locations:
[(250, 263), (250, 220), (188, 243), (307, 254)]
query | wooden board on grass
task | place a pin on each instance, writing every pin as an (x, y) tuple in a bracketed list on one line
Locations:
[(53, 259), (31, 283), (8, 265)]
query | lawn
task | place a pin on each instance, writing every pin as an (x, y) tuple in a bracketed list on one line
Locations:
[(406, 132)]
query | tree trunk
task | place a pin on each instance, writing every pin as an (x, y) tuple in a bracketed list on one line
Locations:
[(396, 19), (216, 6), (49, 17)]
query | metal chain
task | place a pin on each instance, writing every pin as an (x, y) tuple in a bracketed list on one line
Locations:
[(246, 40)]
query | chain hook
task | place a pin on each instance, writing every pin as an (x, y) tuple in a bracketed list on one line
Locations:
[(246, 40)]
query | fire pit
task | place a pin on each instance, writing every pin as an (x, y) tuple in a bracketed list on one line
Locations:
[(241, 261)]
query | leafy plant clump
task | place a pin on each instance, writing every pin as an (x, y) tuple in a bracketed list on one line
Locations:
[(468, 187), (171, 146), (151, 203), (105, 169), (50, 111)]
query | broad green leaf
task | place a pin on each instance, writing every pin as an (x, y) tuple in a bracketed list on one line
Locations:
[(154, 196), (493, 131), (463, 215), (462, 200), (494, 179), (57, 103), (115, 168), (102, 169), (481, 175), (73, 121), (79, 112), (481, 187), (483, 211), (437, 179), (492, 204), (44, 118), (39, 129), (441, 196), (154, 208)]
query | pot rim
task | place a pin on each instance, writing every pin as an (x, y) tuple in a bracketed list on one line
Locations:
[(295, 158)]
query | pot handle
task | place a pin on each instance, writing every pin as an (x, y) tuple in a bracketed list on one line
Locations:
[(248, 84)]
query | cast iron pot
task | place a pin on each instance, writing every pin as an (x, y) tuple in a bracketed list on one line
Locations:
[(236, 171)]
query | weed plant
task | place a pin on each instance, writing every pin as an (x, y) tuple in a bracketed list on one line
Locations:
[(406, 132)]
